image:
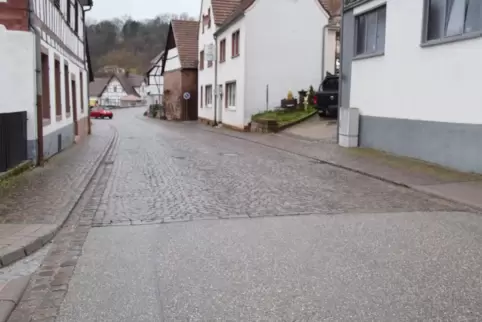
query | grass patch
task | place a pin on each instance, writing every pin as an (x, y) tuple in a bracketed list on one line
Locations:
[(283, 117)]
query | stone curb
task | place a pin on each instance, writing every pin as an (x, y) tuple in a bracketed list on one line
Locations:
[(18, 251), (22, 167), (425, 190), (10, 295)]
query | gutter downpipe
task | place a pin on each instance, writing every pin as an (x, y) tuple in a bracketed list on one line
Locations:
[(323, 41), (340, 80), (216, 94), (38, 84)]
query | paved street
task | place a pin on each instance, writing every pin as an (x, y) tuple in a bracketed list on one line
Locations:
[(193, 225)]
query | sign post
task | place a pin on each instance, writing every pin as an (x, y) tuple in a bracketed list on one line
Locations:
[(187, 97)]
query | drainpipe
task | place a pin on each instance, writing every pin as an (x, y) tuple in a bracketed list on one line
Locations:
[(340, 75), (323, 40), (215, 123), (38, 84)]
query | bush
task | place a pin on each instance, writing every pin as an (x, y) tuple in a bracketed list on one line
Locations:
[(311, 95)]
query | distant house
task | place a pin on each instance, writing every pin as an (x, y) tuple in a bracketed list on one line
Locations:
[(252, 52), (112, 91), (421, 100), (96, 88), (154, 81), (179, 70)]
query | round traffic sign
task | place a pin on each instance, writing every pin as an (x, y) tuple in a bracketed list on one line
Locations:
[(186, 95)]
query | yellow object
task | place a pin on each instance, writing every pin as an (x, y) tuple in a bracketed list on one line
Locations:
[(290, 95)]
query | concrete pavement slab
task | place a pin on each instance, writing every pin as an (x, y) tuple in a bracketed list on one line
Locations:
[(351, 267), (10, 294)]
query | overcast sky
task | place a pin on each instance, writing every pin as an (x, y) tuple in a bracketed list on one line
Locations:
[(141, 9)]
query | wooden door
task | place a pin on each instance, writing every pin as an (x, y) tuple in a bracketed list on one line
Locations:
[(74, 105)]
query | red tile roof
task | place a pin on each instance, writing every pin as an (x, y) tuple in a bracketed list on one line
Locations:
[(185, 34), (237, 8), (222, 9)]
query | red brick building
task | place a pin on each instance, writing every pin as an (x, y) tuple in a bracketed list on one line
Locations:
[(179, 70)]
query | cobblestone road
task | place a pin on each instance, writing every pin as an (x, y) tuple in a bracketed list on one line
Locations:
[(174, 172)]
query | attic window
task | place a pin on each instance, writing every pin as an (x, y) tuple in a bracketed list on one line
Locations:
[(207, 19)]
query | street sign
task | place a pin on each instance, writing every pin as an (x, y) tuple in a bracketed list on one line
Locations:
[(209, 52), (186, 95)]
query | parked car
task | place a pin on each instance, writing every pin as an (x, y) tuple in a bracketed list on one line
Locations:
[(326, 99), (100, 112)]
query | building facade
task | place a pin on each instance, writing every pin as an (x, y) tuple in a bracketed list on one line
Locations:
[(118, 89), (44, 48), (252, 52), (413, 83), (154, 81), (179, 71)]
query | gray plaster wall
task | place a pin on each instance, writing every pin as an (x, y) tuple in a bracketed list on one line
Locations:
[(51, 142), (458, 146)]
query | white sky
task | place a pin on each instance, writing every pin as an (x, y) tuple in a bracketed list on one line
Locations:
[(141, 9)]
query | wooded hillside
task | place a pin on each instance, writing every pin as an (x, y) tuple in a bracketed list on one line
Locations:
[(128, 43)]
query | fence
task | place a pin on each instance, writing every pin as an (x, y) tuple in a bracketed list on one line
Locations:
[(13, 139)]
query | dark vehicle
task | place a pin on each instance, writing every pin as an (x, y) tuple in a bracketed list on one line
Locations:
[(326, 99)]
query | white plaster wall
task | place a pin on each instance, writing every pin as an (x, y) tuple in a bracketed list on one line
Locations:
[(205, 76), (439, 83), (109, 93), (16, 69), (172, 61), (233, 69), (283, 49), (75, 70)]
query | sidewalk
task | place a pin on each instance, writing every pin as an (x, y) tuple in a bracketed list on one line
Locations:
[(34, 205), (463, 188)]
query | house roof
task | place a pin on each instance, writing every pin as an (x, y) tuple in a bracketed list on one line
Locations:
[(183, 35), (128, 82), (97, 86), (222, 9), (332, 7)]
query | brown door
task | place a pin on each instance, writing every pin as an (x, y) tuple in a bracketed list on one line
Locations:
[(74, 106)]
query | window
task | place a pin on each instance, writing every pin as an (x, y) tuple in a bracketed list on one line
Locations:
[(58, 103), (76, 11), (201, 60), (235, 44), (209, 95), (449, 18), (222, 51), (230, 95), (115, 89), (370, 32), (67, 90), (45, 87), (68, 12), (202, 97)]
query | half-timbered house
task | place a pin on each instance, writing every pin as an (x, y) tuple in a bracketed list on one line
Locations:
[(44, 48)]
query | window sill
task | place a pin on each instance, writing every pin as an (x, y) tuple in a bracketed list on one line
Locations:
[(452, 39), (58, 118), (235, 56), (231, 108), (367, 56), (67, 115), (222, 61), (46, 122)]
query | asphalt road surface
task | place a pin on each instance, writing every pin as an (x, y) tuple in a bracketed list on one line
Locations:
[(198, 226)]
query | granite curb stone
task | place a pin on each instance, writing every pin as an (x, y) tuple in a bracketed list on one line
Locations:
[(10, 295)]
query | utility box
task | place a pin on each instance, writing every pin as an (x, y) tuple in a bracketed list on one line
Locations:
[(349, 127)]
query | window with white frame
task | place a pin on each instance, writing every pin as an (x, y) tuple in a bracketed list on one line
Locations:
[(370, 32), (450, 18), (209, 95), (231, 95)]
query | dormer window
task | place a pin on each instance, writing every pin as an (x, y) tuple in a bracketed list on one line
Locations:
[(206, 21)]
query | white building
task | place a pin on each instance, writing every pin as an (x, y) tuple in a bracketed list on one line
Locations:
[(43, 48), (114, 90), (155, 81), (411, 77), (263, 49)]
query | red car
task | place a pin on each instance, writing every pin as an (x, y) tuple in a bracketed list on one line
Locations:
[(99, 112)]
